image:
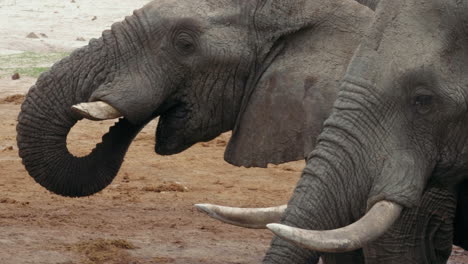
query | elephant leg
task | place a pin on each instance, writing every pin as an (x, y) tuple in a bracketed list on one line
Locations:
[(423, 234)]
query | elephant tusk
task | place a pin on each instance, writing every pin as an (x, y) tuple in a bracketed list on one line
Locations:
[(96, 111), (256, 218), (375, 223)]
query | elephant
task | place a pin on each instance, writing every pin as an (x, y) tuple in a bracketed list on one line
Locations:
[(213, 66), (203, 68), (386, 181)]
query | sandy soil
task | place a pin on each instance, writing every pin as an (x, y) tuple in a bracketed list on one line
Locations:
[(146, 215), (66, 24), (149, 206)]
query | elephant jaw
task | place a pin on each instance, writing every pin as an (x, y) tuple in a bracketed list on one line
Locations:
[(96, 111)]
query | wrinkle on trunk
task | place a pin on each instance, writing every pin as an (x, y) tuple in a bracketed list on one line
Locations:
[(329, 195), (46, 119)]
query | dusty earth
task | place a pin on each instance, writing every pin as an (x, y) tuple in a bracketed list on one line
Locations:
[(146, 214)]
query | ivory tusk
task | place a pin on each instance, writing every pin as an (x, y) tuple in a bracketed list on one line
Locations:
[(96, 111), (370, 227), (256, 218)]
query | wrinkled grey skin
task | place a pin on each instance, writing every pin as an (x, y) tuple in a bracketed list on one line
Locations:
[(398, 132)]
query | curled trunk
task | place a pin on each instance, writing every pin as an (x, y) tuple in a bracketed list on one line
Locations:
[(46, 119)]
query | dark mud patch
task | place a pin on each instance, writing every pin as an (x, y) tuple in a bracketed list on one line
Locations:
[(16, 99), (166, 187)]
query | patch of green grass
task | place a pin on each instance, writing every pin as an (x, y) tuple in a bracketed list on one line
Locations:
[(28, 63)]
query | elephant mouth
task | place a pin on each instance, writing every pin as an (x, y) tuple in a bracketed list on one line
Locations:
[(172, 121), (177, 112), (171, 135)]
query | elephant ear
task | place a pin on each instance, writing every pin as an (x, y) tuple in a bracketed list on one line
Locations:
[(294, 96), (461, 218)]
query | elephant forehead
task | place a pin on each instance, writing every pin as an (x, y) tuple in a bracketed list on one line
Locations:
[(406, 36), (202, 8)]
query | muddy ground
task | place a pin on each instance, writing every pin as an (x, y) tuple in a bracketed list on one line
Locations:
[(146, 214)]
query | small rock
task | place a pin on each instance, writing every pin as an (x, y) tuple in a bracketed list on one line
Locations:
[(15, 76), (43, 35), (9, 148), (221, 143), (94, 18), (166, 187), (73, 1), (32, 35), (126, 178), (80, 39), (7, 201)]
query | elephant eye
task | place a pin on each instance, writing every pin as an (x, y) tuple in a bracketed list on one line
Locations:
[(185, 44), (423, 103)]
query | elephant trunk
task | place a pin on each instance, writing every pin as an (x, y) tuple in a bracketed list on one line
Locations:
[(46, 118), (331, 193), (352, 171)]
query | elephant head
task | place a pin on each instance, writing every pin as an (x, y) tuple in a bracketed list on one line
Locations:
[(389, 167), (198, 66)]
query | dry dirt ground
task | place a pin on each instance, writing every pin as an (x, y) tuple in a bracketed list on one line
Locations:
[(146, 214)]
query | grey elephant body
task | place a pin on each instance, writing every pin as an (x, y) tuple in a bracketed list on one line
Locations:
[(268, 70)]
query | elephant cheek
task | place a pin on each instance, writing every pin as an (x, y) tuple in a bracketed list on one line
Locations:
[(402, 180)]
